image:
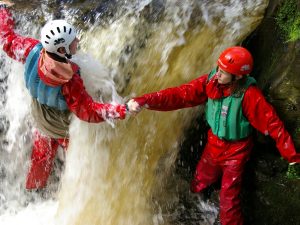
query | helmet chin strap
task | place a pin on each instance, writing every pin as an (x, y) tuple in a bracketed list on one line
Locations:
[(68, 53), (68, 56)]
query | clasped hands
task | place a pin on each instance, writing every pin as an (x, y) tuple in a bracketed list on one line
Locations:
[(133, 107)]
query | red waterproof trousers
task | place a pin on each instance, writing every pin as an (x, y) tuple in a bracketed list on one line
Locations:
[(43, 153), (215, 164)]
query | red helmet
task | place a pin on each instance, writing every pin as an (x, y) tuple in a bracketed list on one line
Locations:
[(236, 60)]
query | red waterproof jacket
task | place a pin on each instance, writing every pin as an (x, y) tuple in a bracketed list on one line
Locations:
[(78, 100), (256, 109)]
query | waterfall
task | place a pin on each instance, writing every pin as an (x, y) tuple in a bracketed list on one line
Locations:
[(117, 172)]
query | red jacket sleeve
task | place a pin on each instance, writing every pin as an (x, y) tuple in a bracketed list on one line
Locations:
[(264, 118), (16, 46), (84, 107), (186, 95)]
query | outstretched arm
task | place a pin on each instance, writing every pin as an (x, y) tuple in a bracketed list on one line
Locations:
[(16, 46), (85, 108), (264, 118), (184, 96)]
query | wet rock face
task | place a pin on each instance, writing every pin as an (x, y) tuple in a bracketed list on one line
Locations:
[(269, 196), (277, 68)]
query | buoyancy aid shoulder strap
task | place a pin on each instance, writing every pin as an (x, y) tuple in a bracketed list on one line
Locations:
[(212, 73)]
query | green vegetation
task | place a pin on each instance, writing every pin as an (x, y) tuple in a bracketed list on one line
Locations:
[(293, 172), (288, 20)]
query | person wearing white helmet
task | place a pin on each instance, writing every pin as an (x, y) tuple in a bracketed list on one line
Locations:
[(59, 37), (56, 88)]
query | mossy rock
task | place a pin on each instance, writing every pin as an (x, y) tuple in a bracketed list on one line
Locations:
[(269, 196), (277, 66)]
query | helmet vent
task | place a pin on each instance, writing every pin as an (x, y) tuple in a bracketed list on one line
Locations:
[(231, 60), (56, 34)]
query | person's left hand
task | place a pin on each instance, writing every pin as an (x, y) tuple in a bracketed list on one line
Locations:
[(8, 3)]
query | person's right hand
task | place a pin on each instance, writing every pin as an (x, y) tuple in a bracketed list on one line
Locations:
[(8, 3), (133, 107)]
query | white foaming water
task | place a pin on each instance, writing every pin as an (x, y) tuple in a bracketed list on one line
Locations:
[(116, 172), (96, 77), (17, 107), (14, 154), (42, 213)]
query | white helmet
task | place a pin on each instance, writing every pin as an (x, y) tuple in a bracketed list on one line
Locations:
[(56, 34)]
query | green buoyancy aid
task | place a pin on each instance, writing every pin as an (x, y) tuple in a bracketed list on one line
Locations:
[(225, 115)]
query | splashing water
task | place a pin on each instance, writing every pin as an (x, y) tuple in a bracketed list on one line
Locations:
[(118, 172)]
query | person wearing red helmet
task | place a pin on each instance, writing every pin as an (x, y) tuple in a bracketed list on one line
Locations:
[(234, 106), (236, 60), (56, 88)]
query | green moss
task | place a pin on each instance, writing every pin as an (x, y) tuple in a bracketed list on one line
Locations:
[(293, 172), (295, 31), (288, 20)]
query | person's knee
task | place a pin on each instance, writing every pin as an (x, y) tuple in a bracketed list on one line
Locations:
[(197, 186)]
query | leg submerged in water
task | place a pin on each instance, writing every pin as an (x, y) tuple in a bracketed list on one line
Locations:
[(230, 204), (43, 152), (207, 172)]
